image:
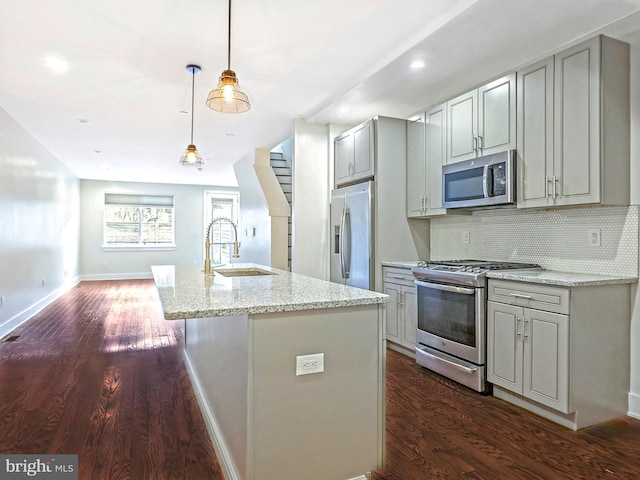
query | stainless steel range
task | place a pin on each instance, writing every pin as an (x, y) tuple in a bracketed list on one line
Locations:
[(452, 322)]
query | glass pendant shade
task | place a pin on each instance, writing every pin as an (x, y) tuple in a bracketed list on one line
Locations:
[(191, 157), (228, 97)]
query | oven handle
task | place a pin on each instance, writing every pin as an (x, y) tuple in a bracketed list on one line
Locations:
[(446, 288), (421, 351)]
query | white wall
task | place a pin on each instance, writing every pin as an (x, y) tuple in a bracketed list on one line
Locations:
[(39, 223), (254, 213), (310, 200), (634, 395), (96, 263)]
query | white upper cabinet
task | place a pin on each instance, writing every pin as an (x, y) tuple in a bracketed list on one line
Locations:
[(573, 127), (426, 153), (482, 121), (354, 154)]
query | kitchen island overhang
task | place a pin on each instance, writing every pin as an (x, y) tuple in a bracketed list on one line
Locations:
[(243, 335)]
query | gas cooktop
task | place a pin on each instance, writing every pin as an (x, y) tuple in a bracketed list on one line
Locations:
[(463, 272)]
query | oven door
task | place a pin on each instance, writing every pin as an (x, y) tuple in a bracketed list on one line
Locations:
[(452, 319)]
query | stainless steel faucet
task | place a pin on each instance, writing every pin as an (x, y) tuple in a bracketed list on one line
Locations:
[(207, 243)]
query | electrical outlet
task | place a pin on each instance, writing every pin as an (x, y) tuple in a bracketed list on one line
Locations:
[(594, 237), (307, 364), (466, 237)]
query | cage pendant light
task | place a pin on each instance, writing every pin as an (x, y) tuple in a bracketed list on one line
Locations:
[(191, 157), (228, 97)]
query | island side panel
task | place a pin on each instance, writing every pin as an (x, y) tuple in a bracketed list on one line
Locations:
[(216, 352), (323, 425)]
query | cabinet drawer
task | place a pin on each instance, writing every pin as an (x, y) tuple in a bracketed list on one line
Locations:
[(540, 297), (400, 276)]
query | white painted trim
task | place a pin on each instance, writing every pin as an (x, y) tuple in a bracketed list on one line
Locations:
[(116, 276), (634, 405), (223, 454), (18, 319)]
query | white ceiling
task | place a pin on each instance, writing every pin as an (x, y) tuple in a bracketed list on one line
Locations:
[(295, 58)]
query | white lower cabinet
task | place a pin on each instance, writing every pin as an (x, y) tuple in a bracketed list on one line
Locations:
[(561, 352), (528, 353), (402, 309)]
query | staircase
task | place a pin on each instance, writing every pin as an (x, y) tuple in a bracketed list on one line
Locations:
[(282, 168)]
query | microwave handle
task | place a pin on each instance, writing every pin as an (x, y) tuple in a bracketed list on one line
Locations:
[(487, 181)]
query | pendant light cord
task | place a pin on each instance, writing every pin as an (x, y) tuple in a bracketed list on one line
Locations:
[(193, 83), (229, 40)]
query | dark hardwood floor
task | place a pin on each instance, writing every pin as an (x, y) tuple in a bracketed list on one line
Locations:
[(99, 373)]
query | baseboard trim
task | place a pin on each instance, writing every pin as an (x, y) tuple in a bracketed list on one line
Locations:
[(116, 276), (223, 454), (634, 405), (14, 322)]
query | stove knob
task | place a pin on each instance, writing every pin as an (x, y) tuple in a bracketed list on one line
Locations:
[(476, 270)]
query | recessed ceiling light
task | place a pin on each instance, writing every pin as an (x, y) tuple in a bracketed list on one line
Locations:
[(229, 135), (83, 120), (418, 64), (183, 112), (98, 151), (56, 63)]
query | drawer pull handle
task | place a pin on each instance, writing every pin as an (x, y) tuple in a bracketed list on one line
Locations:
[(519, 295), (400, 277)]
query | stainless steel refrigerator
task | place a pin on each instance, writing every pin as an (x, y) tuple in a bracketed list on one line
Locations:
[(352, 235)]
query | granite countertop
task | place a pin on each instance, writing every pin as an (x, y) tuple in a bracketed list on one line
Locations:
[(564, 279), (186, 292), (401, 264)]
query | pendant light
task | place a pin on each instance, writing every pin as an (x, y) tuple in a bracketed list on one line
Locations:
[(191, 157), (228, 97)]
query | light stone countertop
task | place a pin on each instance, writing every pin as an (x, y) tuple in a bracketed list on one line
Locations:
[(544, 277), (186, 292), (564, 279), (400, 264)]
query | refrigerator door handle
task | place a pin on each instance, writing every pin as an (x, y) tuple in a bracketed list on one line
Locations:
[(345, 242)]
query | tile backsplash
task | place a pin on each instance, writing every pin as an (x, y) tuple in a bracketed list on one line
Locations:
[(555, 239)]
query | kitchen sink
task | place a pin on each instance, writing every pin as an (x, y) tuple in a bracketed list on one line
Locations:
[(243, 272)]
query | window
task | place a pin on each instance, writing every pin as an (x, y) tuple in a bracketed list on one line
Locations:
[(222, 235), (138, 220)]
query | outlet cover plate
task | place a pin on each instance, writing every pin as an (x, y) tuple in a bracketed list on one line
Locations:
[(307, 364)]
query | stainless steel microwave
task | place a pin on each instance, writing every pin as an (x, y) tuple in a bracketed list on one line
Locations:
[(482, 181)]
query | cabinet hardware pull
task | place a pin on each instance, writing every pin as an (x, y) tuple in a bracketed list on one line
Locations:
[(475, 144), (526, 331), (555, 180), (518, 332), (480, 142), (400, 277), (519, 295)]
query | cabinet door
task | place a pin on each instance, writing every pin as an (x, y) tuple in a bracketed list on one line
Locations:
[(577, 124), (497, 116), (436, 156), (416, 168), (535, 134), (393, 317), (363, 151), (343, 158), (546, 358), (504, 345), (462, 127), (410, 315)]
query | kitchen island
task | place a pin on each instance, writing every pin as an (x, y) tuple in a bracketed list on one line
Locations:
[(269, 417)]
